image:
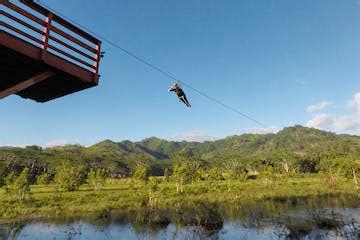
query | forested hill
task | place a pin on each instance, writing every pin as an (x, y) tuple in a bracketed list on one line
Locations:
[(293, 144), (296, 140)]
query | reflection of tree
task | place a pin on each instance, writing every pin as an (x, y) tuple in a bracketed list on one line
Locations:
[(204, 218), (12, 230), (148, 221), (200, 214), (138, 221), (318, 222), (285, 217), (100, 220), (2, 233), (158, 220), (194, 232), (72, 230), (293, 228)]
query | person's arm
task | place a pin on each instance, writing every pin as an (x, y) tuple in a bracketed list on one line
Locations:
[(172, 88)]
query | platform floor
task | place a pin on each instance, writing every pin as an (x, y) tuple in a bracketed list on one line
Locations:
[(20, 60)]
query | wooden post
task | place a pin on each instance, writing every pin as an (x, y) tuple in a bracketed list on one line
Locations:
[(97, 57), (97, 61), (45, 39)]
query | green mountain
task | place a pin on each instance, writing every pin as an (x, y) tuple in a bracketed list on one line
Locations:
[(297, 140), (294, 143)]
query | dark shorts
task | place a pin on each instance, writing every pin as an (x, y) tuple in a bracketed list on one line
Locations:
[(180, 93)]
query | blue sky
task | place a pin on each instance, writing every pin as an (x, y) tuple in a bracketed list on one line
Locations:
[(281, 62)]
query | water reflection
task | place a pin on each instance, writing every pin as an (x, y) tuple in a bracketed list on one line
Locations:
[(331, 216)]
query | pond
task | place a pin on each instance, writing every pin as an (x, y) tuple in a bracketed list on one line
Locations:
[(323, 217)]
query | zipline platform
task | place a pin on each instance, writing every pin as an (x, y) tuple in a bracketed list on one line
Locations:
[(43, 56)]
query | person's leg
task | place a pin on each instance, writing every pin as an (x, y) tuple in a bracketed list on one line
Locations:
[(186, 101), (183, 100)]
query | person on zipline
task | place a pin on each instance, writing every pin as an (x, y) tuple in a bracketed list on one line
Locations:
[(180, 93)]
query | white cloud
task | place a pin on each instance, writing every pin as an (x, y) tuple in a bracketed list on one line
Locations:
[(21, 145), (318, 106), (320, 121), (56, 142), (326, 121), (200, 136), (52, 143), (63, 142), (355, 103), (346, 123), (264, 130), (349, 123), (194, 135)]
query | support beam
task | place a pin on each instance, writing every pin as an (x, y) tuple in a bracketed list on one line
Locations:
[(25, 84)]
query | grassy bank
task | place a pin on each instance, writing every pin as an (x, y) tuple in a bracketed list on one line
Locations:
[(128, 194)]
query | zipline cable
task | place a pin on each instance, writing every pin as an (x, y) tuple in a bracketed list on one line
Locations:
[(153, 66)]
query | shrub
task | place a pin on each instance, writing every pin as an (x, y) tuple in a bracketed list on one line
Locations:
[(215, 174), (18, 186), (153, 184), (3, 173), (97, 179), (183, 174), (43, 179), (68, 177), (141, 172)]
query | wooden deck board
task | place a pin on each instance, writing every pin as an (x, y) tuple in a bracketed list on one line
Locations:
[(19, 60)]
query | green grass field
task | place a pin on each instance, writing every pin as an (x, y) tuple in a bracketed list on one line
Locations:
[(128, 194)]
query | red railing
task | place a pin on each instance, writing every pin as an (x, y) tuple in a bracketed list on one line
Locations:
[(75, 44)]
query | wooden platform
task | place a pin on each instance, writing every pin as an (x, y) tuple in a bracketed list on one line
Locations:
[(30, 70)]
